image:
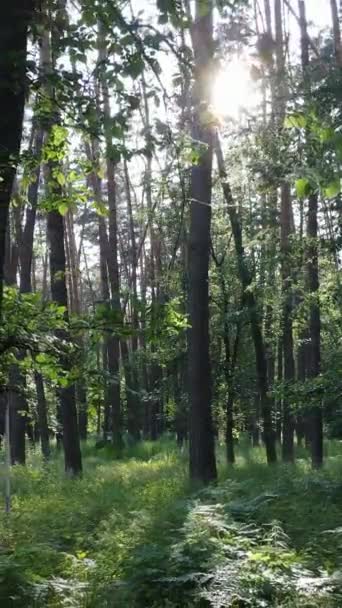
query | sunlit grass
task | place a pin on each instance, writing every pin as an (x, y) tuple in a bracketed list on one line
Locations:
[(133, 533)]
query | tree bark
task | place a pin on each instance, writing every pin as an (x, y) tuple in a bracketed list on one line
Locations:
[(15, 18), (336, 32), (314, 346), (285, 246), (42, 415), (312, 280), (202, 446), (67, 398), (112, 259), (287, 333)]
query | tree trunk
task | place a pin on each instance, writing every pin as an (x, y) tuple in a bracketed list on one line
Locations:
[(75, 308), (312, 280), (249, 299), (280, 378), (337, 33), (112, 259), (287, 333), (26, 245), (67, 397), (42, 415), (15, 17), (314, 346), (202, 447), (285, 246), (67, 409)]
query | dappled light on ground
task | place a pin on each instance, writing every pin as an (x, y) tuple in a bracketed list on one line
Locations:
[(133, 533)]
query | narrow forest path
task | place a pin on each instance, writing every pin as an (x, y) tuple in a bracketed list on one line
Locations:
[(132, 533)]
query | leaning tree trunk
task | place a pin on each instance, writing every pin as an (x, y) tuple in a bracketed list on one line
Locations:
[(202, 446), (15, 17)]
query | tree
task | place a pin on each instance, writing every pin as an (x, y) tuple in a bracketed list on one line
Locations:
[(57, 257), (312, 278), (202, 454), (285, 246), (15, 19)]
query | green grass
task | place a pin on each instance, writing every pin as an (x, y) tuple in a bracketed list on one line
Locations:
[(132, 533)]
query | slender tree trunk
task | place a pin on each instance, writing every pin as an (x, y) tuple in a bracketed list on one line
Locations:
[(112, 259), (202, 448), (312, 280), (279, 425), (285, 246), (129, 361), (249, 298), (42, 415), (314, 346), (337, 32), (75, 308), (22, 248), (155, 405), (287, 333), (26, 272)]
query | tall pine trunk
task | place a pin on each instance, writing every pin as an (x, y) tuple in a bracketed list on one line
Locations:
[(312, 278), (15, 18), (58, 269), (67, 397), (112, 256), (202, 445)]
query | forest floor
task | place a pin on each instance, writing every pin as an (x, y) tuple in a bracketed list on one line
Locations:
[(132, 533)]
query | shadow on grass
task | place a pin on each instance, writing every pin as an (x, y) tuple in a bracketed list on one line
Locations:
[(130, 527)]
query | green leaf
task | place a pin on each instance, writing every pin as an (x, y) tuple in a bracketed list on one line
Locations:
[(63, 208), (333, 189), (302, 186), (60, 179), (101, 208), (295, 121), (136, 66)]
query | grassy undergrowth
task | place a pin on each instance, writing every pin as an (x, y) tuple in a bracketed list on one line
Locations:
[(133, 534)]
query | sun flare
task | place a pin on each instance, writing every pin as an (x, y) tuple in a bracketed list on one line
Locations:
[(234, 92)]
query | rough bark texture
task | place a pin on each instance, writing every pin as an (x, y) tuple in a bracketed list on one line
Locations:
[(15, 17), (202, 450), (71, 442)]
